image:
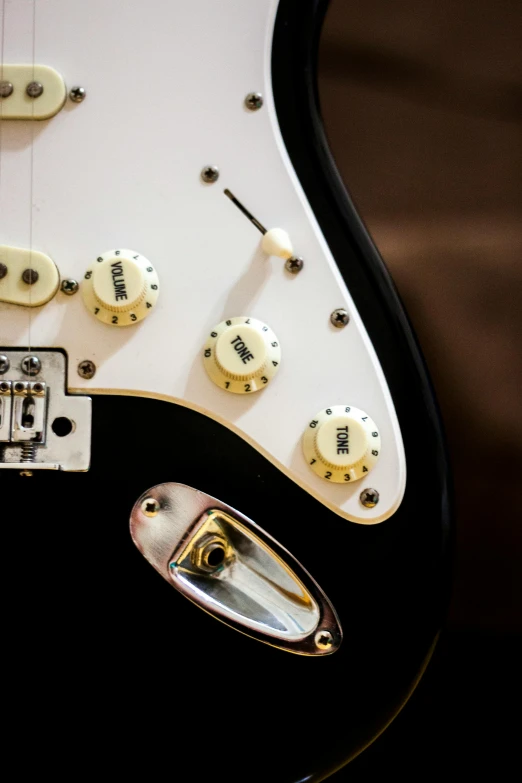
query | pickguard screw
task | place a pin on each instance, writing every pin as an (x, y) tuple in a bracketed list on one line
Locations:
[(150, 507), (323, 640), (3, 271), (34, 89), (77, 94), (4, 364), (26, 472), (30, 276), (86, 369), (6, 89), (210, 174), (369, 497), (31, 365), (294, 265), (254, 101), (339, 318), (70, 286)]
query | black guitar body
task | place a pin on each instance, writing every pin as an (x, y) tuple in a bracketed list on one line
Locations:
[(112, 673)]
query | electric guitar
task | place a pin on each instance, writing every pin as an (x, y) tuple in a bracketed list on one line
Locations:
[(212, 406)]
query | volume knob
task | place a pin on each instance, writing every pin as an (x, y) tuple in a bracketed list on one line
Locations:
[(121, 287), (242, 355), (341, 443)]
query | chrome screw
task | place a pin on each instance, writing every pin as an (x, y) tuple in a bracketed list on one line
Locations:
[(31, 365), (34, 89), (30, 276), (77, 94), (4, 364), (70, 286), (254, 101), (294, 265), (86, 369), (6, 89), (150, 507), (3, 271), (323, 640), (210, 174), (339, 318), (369, 497)]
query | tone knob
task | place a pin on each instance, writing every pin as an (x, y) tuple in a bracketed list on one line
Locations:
[(242, 355), (121, 287), (342, 444)]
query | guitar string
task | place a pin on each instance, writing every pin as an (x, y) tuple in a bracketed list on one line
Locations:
[(31, 180)]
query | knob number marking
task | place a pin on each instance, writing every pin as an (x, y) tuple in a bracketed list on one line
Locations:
[(127, 284), (346, 449), (244, 360)]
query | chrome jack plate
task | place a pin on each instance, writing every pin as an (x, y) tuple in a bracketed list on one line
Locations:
[(41, 427), (235, 571)]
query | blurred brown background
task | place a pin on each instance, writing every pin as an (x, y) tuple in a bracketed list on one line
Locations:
[(421, 100)]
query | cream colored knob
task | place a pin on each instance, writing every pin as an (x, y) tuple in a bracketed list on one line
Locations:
[(121, 287), (276, 242), (242, 355), (341, 444)]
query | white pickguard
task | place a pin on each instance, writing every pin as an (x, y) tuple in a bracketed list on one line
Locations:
[(165, 85)]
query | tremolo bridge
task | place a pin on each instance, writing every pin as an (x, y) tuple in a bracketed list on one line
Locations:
[(41, 426)]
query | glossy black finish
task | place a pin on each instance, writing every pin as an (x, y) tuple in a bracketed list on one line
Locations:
[(134, 671), (141, 681)]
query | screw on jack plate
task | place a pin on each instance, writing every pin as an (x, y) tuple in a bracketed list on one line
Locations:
[(150, 507), (69, 286), (294, 265), (30, 276), (254, 101), (3, 271), (77, 94), (6, 89), (339, 317), (4, 364), (86, 369), (323, 640), (369, 497), (210, 174), (34, 89), (31, 365)]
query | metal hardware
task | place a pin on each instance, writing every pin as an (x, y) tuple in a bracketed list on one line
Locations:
[(323, 640), (69, 286), (30, 276), (294, 265), (150, 507), (228, 566), (3, 271), (31, 365), (34, 89), (6, 405), (31, 412), (210, 553), (86, 369), (4, 364), (369, 497), (6, 89), (254, 101), (339, 318), (77, 94), (210, 174)]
